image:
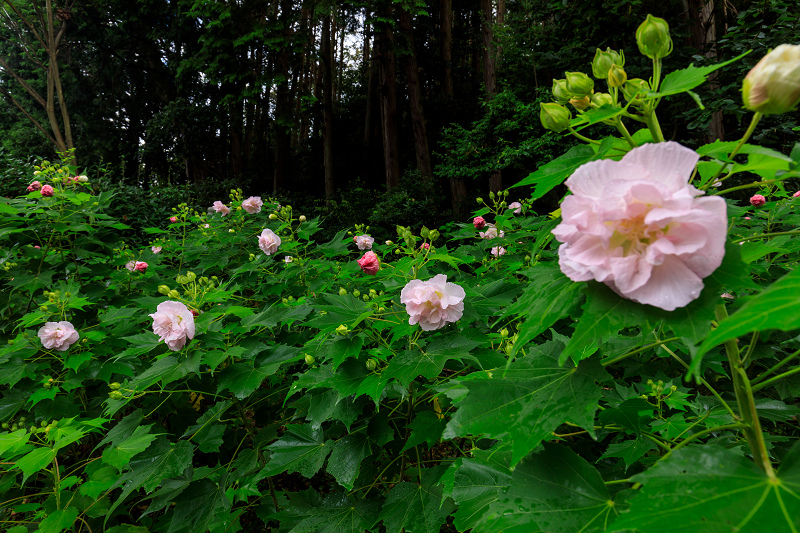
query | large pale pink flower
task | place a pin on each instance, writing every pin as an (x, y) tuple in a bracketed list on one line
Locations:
[(638, 226), (173, 323), (58, 335), (252, 205), (369, 263), (491, 232), (434, 303), (268, 241), (364, 242), (516, 206), (219, 207)]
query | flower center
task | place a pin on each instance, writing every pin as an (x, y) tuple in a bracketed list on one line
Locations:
[(634, 235)]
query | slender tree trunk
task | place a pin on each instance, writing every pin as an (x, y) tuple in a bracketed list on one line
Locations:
[(327, 105), (446, 37), (489, 74), (415, 100), (388, 93), (283, 112), (369, 119), (703, 37)]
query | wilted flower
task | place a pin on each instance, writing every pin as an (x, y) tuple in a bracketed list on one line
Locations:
[(727, 296), (773, 85), (369, 263), (155, 249), (219, 207), (491, 232), (434, 303), (34, 186), (58, 335), (638, 226), (47, 190), (757, 200), (131, 266), (478, 222), (141, 266), (287, 259), (252, 205), (364, 242), (516, 206), (173, 323), (268, 241), (497, 251)]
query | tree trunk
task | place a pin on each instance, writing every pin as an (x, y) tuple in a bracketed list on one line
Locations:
[(489, 80), (327, 104), (703, 37), (446, 31), (388, 81), (369, 119), (283, 105), (415, 100)]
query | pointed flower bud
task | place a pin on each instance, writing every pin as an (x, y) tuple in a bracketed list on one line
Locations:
[(581, 103), (601, 99), (554, 117), (617, 76), (633, 87), (560, 91), (773, 85), (653, 38), (603, 61), (579, 84)]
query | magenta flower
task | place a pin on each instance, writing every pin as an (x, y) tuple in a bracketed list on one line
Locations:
[(795, 195), (173, 323), (34, 186), (219, 207), (47, 190), (757, 200), (425, 246), (638, 226), (58, 335), (369, 263), (478, 222), (252, 205), (141, 266), (173, 219), (434, 303)]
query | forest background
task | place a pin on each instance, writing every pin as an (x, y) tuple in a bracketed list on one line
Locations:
[(380, 112)]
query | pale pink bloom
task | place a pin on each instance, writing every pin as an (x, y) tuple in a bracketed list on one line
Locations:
[(58, 335), (434, 303), (34, 186), (638, 226), (173, 323), (369, 263), (141, 266), (131, 266), (156, 249), (287, 259), (82, 179), (478, 222), (364, 242), (425, 246), (727, 296), (497, 251), (252, 205), (37, 246), (717, 183), (757, 200), (206, 226), (747, 218), (47, 190), (795, 195), (268, 241), (173, 219), (491, 232), (73, 179), (219, 207), (516, 206)]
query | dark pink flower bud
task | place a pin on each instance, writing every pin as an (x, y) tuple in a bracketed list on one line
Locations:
[(757, 200), (47, 190), (478, 222)]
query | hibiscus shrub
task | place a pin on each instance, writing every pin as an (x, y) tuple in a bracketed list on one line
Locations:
[(235, 374)]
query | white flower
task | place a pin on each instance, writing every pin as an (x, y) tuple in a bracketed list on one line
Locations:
[(516, 206), (268, 241), (173, 323), (130, 265), (491, 232), (434, 303), (287, 259), (156, 249), (364, 242), (497, 251), (773, 85), (58, 335)]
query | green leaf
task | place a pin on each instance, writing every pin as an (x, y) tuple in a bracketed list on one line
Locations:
[(345, 348), (347, 310), (681, 81), (13, 441), (477, 483), (338, 513), (196, 508), (554, 491), (776, 307), (714, 490), (416, 508), (35, 461), (208, 430), (120, 454), (345, 460), (630, 450), (552, 174), (160, 461), (429, 361), (58, 521), (301, 449), (529, 401), (426, 428), (627, 414)]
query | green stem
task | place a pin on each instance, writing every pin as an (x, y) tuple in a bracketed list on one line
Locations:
[(750, 129), (581, 137), (705, 432), (624, 131), (638, 350), (763, 375), (749, 185), (776, 234), (747, 406), (772, 380), (655, 128)]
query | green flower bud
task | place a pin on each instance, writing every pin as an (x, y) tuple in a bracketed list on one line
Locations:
[(579, 84), (22, 420), (114, 386), (356, 293), (43, 308), (365, 297), (617, 76), (381, 309), (191, 276), (342, 291), (163, 289), (581, 103), (480, 200), (309, 359), (560, 91), (433, 234), (4, 425), (554, 117), (504, 333), (603, 61), (342, 330), (115, 395), (653, 38), (273, 216), (285, 300), (600, 99), (634, 87), (174, 294), (371, 364), (773, 85)]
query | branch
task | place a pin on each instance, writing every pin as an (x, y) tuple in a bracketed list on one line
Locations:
[(30, 117)]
